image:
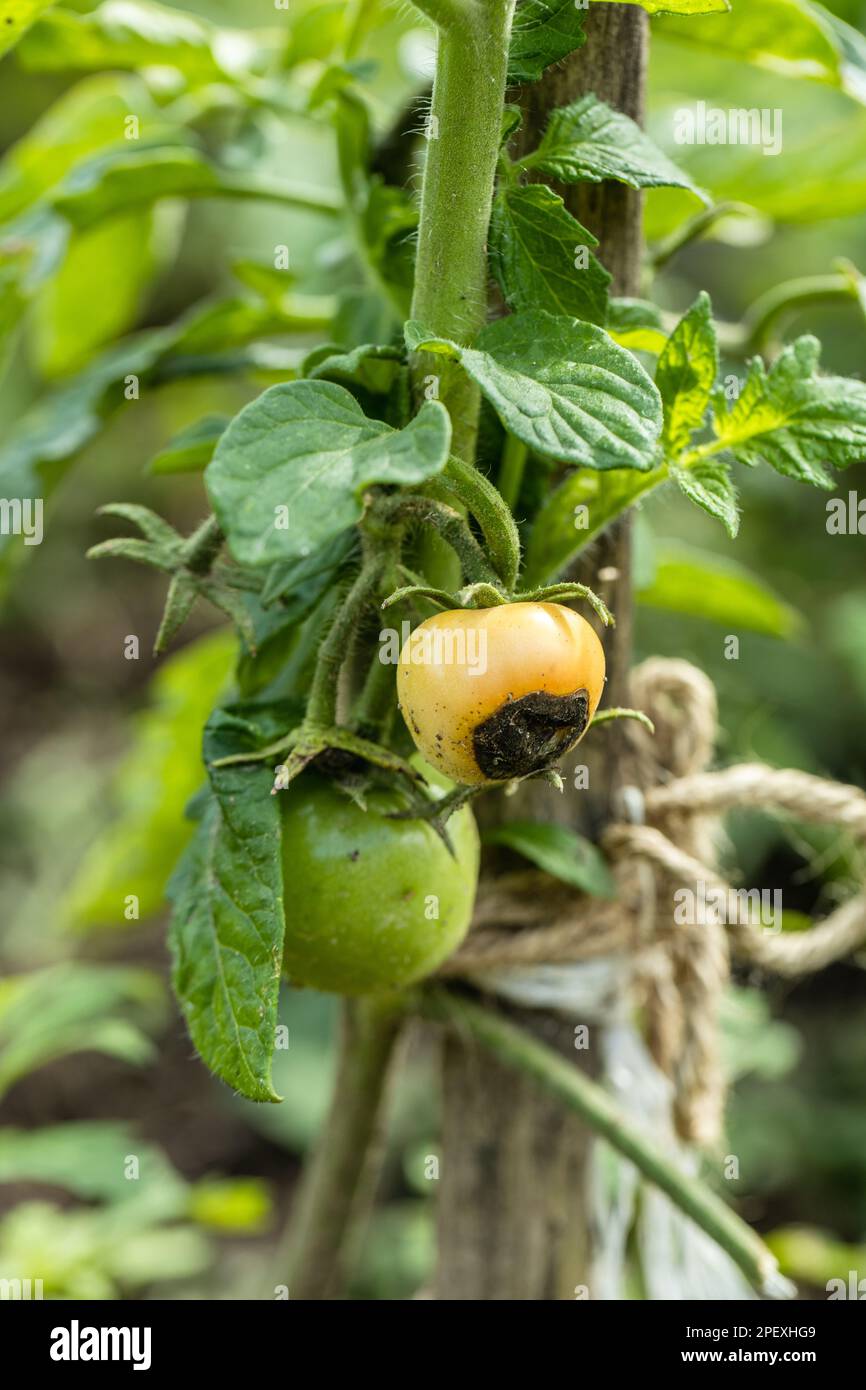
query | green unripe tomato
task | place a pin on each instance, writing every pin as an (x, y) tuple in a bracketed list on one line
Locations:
[(372, 904)]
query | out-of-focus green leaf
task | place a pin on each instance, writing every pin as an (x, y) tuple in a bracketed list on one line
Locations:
[(96, 294), (399, 1252), (123, 34), (753, 1042), (231, 1206), (89, 118), (704, 586), (636, 324), (558, 851), (129, 178), (68, 1008), (820, 1259), (192, 449), (793, 37), (136, 853), (90, 1158), (96, 1254), (689, 7), (16, 17), (575, 512)]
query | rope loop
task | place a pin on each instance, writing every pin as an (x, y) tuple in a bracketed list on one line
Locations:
[(663, 849)]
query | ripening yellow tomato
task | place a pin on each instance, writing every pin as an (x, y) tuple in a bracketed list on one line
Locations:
[(494, 693)]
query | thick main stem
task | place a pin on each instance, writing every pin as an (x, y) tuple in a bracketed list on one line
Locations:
[(513, 1218), (463, 132), (334, 1179)]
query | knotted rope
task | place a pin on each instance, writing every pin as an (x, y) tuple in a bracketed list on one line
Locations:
[(679, 968)]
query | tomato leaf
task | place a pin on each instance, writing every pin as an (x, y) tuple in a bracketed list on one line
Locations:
[(686, 374), (709, 485), (636, 324), (793, 37), (562, 387), (228, 917), (134, 35), (718, 590), (558, 851), (575, 513), (372, 366), (794, 419), (534, 241), (589, 140), (192, 448), (683, 7), (289, 471), (544, 32), (16, 17), (136, 852)]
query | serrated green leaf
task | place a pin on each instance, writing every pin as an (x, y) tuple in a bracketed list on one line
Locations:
[(228, 918), (794, 419), (575, 513), (306, 446), (544, 32), (691, 582), (192, 448), (16, 17), (589, 140), (709, 485), (562, 387), (533, 245), (137, 850), (686, 374), (559, 852)]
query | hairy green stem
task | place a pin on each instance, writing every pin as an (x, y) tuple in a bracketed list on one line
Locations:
[(450, 296), (788, 298), (450, 525), (570, 1085), (322, 706), (696, 226), (512, 470), (332, 1187)]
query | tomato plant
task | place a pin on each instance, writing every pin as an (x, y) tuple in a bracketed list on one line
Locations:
[(430, 426)]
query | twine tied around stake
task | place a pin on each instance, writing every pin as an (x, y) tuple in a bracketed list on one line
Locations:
[(679, 971)]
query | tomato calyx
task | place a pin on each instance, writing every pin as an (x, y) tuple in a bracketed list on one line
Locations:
[(483, 595)]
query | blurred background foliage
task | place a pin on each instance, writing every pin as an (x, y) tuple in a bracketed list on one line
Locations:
[(101, 753)]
